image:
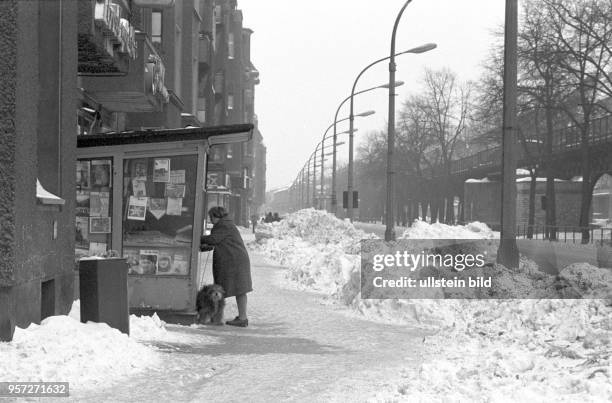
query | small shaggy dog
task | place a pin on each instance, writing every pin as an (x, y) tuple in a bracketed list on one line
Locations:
[(210, 303)]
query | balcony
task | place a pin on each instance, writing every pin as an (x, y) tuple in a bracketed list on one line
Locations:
[(106, 40), (142, 89), (218, 14)]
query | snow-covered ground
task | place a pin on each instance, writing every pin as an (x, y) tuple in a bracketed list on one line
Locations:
[(494, 350), (87, 355)]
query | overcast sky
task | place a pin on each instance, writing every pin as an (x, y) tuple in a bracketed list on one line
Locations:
[(308, 54)]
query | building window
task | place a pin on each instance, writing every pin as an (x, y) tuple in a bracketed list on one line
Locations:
[(156, 27), (218, 14), (230, 46), (230, 101)]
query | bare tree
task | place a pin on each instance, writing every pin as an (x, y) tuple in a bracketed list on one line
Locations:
[(589, 21), (543, 82), (371, 165), (414, 138), (414, 133), (446, 104), (488, 95), (584, 31)]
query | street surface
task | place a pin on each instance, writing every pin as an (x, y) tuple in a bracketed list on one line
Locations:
[(297, 348)]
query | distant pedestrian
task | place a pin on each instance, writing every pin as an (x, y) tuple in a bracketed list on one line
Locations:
[(231, 265), (254, 220), (268, 218), (276, 217)]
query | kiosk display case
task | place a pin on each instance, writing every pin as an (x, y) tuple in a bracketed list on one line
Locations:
[(93, 206), (159, 202), (143, 195)]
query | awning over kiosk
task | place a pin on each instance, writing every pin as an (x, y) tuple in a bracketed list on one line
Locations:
[(214, 134)]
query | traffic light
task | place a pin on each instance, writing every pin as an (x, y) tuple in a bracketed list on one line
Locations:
[(345, 199)]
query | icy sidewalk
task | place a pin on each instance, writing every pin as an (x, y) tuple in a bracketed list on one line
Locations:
[(295, 348)]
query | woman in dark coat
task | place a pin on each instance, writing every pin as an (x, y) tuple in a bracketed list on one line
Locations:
[(231, 265)]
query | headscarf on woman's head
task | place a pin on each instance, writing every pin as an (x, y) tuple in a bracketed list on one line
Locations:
[(217, 212)]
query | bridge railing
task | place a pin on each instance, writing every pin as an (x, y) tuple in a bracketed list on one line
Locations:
[(600, 130), (484, 158), (569, 234), (565, 138)]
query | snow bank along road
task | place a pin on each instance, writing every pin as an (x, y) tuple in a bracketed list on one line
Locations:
[(296, 348)]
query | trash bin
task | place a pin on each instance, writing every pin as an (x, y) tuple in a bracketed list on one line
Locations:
[(103, 292)]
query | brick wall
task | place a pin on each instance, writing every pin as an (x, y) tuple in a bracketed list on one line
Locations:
[(483, 199), (567, 202), (38, 72)]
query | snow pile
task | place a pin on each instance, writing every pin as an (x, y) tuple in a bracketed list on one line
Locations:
[(150, 329), (314, 226), (588, 280), (63, 349), (321, 251), (423, 230), (497, 350), (519, 350)]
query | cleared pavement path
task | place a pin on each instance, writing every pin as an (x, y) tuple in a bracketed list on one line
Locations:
[(297, 348)]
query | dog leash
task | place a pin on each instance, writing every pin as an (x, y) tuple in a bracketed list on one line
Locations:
[(201, 279)]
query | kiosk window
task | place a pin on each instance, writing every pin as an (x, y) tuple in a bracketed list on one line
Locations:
[(158, 204), (93, 206)]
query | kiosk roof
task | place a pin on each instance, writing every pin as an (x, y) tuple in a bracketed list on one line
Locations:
[(214, 134)]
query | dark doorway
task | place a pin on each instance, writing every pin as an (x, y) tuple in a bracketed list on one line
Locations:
[(47, 299)]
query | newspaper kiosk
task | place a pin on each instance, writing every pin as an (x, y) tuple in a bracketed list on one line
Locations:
[(143, 195)]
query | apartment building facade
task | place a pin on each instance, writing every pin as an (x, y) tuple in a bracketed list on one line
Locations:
[(120, 66)]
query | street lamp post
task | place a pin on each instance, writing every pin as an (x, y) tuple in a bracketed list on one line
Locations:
[(301, 184), (508, 254), (314, 168), (308, 183), (334, 201), (389, 214), (390, 206), (314, 177), (321, 201), (336, 120), (391, 85), (302, 188), (301, 204)]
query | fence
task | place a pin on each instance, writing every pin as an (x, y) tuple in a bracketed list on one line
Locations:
[(599, 235)]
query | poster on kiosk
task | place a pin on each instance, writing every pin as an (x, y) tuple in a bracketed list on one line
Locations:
[(143, 195)]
